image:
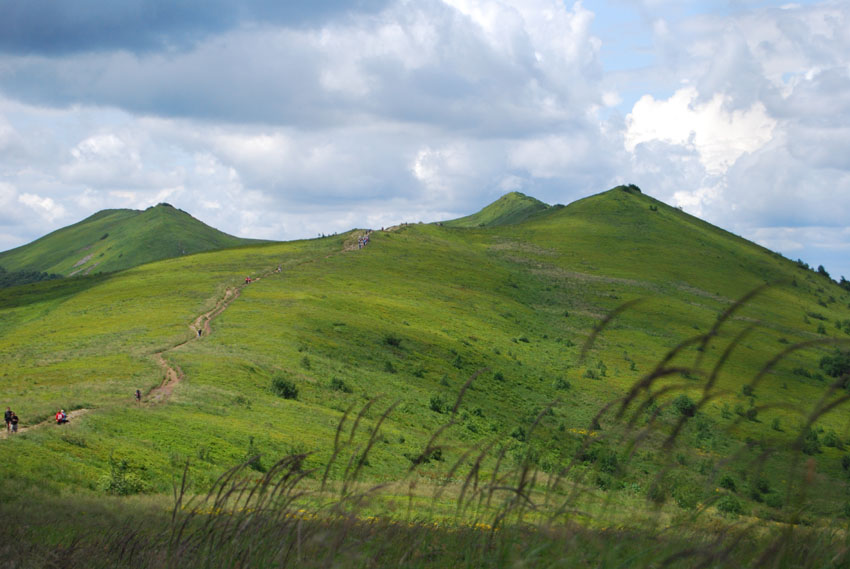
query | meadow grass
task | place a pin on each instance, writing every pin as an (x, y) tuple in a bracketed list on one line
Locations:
[(406, 322)]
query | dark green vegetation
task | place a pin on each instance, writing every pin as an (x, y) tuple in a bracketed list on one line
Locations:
[(585, 381), (116, 239), (24, 277)]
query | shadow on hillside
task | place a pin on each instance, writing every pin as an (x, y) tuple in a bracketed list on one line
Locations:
[(46, 291)]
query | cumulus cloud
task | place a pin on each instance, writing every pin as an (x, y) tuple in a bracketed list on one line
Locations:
[(280, 121), (43, 206), (719, 135)]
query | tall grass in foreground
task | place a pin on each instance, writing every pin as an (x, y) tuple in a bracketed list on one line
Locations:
[(496, 505)]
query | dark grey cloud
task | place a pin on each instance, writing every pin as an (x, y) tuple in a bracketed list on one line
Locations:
[(425, 63), (48, 27)]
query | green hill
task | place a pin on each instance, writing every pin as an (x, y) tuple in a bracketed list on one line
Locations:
[(117, 239), (407, 321), (511, 208)]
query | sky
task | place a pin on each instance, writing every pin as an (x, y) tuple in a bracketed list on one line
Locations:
[(285, 120)]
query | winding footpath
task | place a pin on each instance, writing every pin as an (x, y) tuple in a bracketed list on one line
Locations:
[(200, 327), (172, 374)]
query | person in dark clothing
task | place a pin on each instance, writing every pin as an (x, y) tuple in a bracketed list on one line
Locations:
[(14, 421), (8, 417)]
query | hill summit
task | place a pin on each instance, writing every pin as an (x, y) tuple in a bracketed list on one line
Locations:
[(116, 239), (511, 208)]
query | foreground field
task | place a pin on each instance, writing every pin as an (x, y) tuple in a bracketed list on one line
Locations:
[(455, 354)]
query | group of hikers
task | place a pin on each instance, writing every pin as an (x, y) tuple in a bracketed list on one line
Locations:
[(11, 421), (364, 240)]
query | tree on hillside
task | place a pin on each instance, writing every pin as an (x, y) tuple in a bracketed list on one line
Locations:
[(16, 278)]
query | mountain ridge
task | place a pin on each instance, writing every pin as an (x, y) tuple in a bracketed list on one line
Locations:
[(411, 317), (117, 239)]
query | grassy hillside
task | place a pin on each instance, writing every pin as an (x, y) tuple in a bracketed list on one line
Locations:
[(408, 320), (112, 240), (511, 208)]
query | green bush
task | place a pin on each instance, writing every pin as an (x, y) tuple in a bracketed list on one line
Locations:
[(562, 384), (392, 340), (120, 481), (285, 388), (730, 505), (519, 433), (685, 405), (726, 481), (830, 439), (339, 385), (837, 364), (437, 404), (811, 443)]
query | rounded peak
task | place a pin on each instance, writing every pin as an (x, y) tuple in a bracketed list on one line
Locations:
[(628, 188)]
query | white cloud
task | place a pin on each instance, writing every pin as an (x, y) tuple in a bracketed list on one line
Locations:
[(719, 136), (44, 206), (427, 110)]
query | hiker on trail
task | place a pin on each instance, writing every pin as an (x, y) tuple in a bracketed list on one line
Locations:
[(61, 417), (138, 396), (247, 280), (8, 417), (278, 269), (199, 332), (14, 422)]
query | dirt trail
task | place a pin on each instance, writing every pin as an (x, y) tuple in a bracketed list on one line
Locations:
[(22, 429), (201, 326), (172, 374)]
